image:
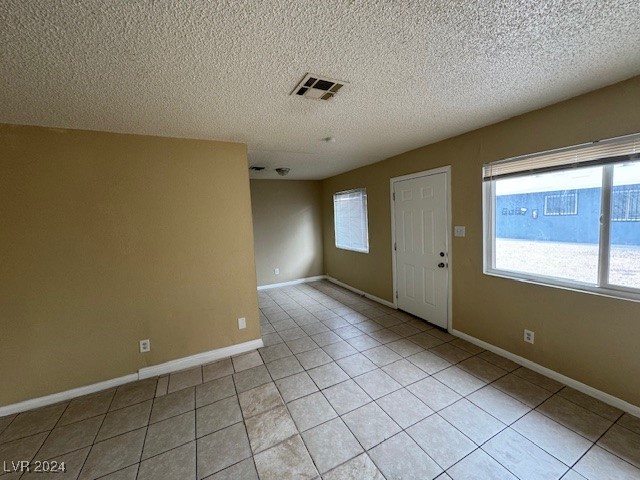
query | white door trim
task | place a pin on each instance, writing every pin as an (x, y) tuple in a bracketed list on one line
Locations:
[(446, 170)]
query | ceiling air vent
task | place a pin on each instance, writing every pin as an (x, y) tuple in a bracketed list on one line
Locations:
[(317, 88)]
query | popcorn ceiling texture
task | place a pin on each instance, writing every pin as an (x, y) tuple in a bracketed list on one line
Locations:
[(418, 71)]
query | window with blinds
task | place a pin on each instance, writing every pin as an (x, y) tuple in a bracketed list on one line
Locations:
[(350, 220), (578, 221)]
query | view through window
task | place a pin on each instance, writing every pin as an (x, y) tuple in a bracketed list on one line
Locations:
[(574, 224)]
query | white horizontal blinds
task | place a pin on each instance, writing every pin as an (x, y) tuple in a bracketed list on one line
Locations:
[(350, 216), (613, 150)]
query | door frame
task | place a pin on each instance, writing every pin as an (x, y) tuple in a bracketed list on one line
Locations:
[(435, 171)]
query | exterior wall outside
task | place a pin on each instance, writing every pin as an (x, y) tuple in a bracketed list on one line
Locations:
[(522, 216)]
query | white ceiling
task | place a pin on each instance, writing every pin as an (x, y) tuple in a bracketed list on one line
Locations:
[(418, 71)]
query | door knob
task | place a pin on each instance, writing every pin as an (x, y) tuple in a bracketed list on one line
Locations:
[(441, 265), (442, 254)]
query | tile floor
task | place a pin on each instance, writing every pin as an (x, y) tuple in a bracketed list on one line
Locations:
[(344, 389)]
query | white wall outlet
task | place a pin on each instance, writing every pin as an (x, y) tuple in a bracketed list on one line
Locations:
[(276, 271), (145, 345), (242, 323), (529, 336), (459, 231)]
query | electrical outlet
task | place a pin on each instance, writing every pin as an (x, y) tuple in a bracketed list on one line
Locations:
[(242, 323), (529, 336), (276, 271), (145, 345), (459, 231)]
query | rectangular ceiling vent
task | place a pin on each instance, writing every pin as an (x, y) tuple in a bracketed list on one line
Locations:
[(317, 87)]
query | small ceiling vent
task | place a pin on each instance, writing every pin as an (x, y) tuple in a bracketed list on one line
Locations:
[(256, 168), (317, 88)]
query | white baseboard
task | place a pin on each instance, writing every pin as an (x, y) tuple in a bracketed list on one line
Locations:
[(148, 372), (66, 395), (292, 282), (581, 387), (198, 359), (360, 292)]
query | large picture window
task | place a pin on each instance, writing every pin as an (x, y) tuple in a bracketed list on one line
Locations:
[(569, 217), (350, 220)]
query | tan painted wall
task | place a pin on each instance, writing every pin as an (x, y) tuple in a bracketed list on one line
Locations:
[(287, 228), (590, 338), (108, 239)]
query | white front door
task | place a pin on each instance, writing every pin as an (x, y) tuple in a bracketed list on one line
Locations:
[(421, 246)]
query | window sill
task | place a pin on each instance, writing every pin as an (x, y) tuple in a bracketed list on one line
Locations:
[(571, 286)]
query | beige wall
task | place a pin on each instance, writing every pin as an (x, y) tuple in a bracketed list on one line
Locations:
[(590, 338), (108, 239), (287, 228)]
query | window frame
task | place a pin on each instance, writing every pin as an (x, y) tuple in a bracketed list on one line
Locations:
[(603, 288), (365, 203)]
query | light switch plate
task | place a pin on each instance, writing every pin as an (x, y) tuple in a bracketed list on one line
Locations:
[(459, 231), (242, 323)]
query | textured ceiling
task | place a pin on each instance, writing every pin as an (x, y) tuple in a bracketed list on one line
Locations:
[(418, 71)]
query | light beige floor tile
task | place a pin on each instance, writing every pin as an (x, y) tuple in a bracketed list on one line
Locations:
[(468, 346), (598, 464), (630, 422), (70, 437), (590, 403), (72, 461), (173, 404), (244, 470), (214, 390), (176, 464), (125, 420), (622, 442), (284, 367), (114, 454), (564, 444), (471, 420), (289, 459), (522, 390), (162, 386), (169, 433), (401, 458), (327, 375), (478, 465), (450, 353), (246, 360), (23, 448), (296, 386), (358, 468), (33, 421), (128, 473), (459, 381), (442, 442), (331, 444), (251, 378), (218, 369), (185, 379), (218, 415), (574, 417), (222, 449), (482, 369), (434, 394), (346, 396), (88, 406), (523, 458), (499, 361), (538, 379), (377, 383), (404, 372), (355, 365), (429, 362), (135, 392), (259, 400), (270, 428), (370, 425), (404, 407), (502, 406)]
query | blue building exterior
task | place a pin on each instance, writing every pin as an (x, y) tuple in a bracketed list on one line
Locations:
[(568, 216)]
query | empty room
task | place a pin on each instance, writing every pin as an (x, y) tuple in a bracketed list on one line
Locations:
[(341, 240)]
